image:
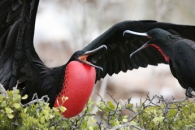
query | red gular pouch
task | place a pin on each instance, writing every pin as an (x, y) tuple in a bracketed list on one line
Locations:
[(167, 59), (78, 84)]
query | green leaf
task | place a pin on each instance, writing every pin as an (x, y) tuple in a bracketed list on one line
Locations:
[(90, 128), (106, 109), (8, 110), (172, 112), (129, 105), (25, 97), (157, 120), (110, 105), (192, 116), (17, 105), (10, 116), (42, 119), (51, 116), (133, 123), (17, 97), (25, 110), (62, 108), (9, 93), (134, 109), (125, 120), (1, 97), (3, 104)]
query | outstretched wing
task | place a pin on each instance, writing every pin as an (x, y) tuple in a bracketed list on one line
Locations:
[(18, 58), (117, 57)]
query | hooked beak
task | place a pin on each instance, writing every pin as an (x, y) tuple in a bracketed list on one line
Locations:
[(139, 49), (139, 34), (83, 58)]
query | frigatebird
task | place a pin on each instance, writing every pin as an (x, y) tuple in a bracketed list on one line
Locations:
[(20, 63), (177, 51)]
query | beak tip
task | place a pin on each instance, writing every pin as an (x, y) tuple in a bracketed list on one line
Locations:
[(98, 67), (105, 47), (131, 55), (124, 33)]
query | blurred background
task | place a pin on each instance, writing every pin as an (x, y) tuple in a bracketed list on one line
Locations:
[(65, 26)]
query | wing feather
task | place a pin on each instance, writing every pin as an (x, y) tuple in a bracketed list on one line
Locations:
[(18, 58), (117, 57)]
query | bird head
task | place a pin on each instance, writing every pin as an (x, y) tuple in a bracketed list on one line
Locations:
[(158, 38), (82, 56)]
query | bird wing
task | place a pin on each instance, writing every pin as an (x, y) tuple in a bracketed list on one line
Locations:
[(18, 58), (117, 57)]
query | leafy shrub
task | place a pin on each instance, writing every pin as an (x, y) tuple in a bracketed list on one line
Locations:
[(152, 113)]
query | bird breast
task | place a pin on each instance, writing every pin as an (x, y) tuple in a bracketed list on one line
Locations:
[(78, 83)]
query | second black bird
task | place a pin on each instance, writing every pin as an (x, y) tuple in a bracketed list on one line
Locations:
[(178, 52)]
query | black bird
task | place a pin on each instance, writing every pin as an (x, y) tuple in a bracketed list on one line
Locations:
[(20, 62), (177, 51)]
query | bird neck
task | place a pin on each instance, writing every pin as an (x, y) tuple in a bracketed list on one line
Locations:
[(164, 52), (167, 44)]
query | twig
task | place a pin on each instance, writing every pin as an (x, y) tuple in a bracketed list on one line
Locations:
[(99, 124), (112, 97), (14, 88), (177, 101), (37, 100), (3, 91), (126, 125), (101, 92)]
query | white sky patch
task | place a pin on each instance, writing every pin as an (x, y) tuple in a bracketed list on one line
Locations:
[(52, 25)]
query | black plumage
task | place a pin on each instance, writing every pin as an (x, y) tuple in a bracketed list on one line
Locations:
[(177, 51), (20, 62)]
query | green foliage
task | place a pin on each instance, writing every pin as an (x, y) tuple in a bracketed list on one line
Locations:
[(37, 116), (149, 114), (179, 116)]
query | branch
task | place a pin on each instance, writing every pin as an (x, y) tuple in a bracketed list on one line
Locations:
[(177, 101), (3, 91), (37, 100), (126, 125)]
